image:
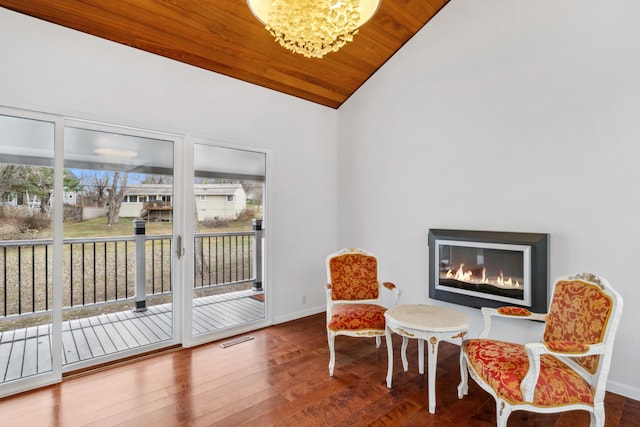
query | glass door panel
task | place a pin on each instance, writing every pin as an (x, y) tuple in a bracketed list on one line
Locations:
[(227, 240), (26, 250), (118, 233)]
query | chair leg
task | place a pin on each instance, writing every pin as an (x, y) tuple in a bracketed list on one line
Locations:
[(503, 410), (463, 387), (597, 416), (332, 354)]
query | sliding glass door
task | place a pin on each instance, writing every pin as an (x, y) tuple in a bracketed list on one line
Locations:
[(225, 278), (29, 265), (118, 296)]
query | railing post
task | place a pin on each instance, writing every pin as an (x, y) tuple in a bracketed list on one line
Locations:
[(258, 234), (141, 265)]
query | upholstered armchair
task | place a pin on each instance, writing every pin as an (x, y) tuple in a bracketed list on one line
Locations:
[(354, 305), (566, 371)]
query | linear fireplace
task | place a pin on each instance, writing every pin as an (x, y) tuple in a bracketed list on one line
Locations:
[(489, 268)]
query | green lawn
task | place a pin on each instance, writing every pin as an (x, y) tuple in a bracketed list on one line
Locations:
[(97, 227)]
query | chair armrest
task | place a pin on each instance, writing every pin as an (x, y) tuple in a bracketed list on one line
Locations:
[(329, 302), (394, 289), (572, 349), (554, 348), (567, 348), (389, 285), (507, 312), (513, 311)]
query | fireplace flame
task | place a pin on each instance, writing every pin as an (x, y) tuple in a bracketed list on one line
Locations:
[(460, 274), (467, 276)]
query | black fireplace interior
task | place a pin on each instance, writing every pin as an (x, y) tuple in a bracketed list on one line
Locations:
[(489, 268)]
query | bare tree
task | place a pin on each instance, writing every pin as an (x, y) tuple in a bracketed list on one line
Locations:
[(157, 179), (95, 191), (116, 194), (100, 184)]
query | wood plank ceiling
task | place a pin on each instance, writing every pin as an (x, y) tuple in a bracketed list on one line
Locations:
[(223, 36)]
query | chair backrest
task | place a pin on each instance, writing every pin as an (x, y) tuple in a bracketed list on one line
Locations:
[(353, 275), (584, 309)]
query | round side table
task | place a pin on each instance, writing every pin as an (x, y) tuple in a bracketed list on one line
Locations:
[(423, 322)]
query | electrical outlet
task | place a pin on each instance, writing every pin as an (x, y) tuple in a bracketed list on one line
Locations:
[(303, 299)]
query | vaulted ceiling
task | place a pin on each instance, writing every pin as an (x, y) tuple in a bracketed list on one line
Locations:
[(223, 36)]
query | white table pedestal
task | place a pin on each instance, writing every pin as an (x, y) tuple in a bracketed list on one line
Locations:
[(423, 322)]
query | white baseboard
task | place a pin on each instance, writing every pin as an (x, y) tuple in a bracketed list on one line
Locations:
[(624, 390), (299, 314)]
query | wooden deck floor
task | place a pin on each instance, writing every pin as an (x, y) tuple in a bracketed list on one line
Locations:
[(26, 352)]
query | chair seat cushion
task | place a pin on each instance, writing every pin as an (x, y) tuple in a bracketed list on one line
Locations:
[(503, 365), (357, 317)]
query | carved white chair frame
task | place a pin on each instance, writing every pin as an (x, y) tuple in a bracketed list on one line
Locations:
[(388, 286), (597, 380)]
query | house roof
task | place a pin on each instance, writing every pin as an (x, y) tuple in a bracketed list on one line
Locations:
[(223, 36), (167, 189), (216, 189)]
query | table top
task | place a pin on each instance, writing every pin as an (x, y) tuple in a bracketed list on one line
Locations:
[(427, 317)]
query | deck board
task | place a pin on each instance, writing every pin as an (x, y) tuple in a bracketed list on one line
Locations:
[(16, 359), (44, 349), (5, 355), (115, 337), (30, 364), (7, 336), (27, 351), (128, 338), (95, 346), (81, 343), (105, 341), (160, 332), (70, 352)]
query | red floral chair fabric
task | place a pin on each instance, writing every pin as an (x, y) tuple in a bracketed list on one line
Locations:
[(514, 311), (357, 317), (354, 277), (567, 370), (354, 305)]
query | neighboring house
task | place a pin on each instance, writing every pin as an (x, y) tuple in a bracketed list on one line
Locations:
[(13, 199), (219, 201), (154, 201), (32, 200)]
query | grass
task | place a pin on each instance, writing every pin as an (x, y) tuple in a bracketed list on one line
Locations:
[(99, 227)]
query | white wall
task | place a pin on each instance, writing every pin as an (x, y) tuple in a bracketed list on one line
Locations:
[(504, 115), (52, 69)]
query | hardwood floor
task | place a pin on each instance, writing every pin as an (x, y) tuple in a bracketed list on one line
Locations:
[(279, 377)]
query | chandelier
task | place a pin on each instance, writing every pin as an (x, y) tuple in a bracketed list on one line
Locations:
[(313, 28)]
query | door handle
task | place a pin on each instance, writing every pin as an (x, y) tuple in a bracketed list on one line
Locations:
[(179, 248)]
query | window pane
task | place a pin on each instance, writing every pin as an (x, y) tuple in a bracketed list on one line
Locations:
[(26, 195)]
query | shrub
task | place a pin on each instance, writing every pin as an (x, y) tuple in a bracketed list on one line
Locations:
[(216, 222), (31, 223), (247, 213)]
